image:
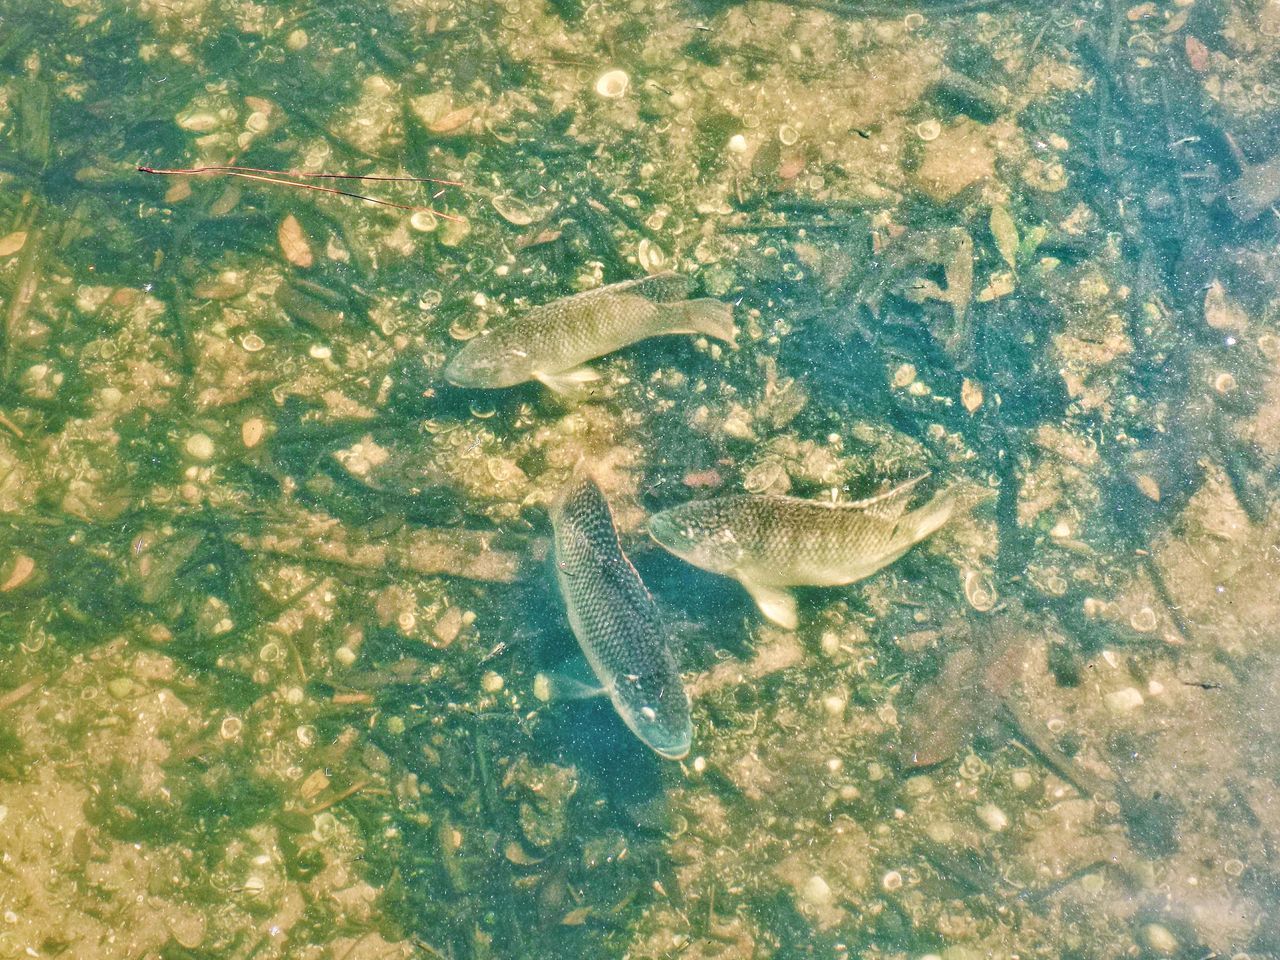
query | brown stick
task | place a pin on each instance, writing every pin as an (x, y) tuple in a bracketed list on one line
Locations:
[(17, 693)]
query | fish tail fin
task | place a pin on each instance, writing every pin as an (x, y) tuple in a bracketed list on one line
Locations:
[(926, 519), (714, 318), (957, 499)]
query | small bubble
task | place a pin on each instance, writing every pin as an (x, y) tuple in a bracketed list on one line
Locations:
[(231, 727), (928, 130)]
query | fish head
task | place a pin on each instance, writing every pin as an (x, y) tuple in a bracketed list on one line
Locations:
[(488, 361), (658, 715), (698, 533)]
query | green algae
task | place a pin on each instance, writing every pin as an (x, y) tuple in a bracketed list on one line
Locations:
[(259, 565)]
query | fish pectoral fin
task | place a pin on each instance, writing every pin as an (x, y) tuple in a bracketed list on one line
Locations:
[(568, 381), (571, 680), (775, 603)]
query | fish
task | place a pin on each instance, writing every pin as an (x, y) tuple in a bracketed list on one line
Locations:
[(771, 543), (553, 342), (616, 622)]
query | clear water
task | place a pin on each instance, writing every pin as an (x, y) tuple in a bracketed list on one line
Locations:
[(274, 595)]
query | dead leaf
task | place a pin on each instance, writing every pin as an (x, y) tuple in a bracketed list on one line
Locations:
[(23, 567), (12, 243), (1197, 54), (294, 243), (452, 121), (1006, 234)]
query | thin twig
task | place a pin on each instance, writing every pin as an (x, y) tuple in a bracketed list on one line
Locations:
[(338, 798), (231, 168), (234, 172)]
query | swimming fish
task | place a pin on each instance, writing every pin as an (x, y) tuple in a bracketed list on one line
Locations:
[(551, 343), (616, 621), (770, 543)]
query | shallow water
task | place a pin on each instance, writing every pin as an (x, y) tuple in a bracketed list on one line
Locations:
[(274, 594)]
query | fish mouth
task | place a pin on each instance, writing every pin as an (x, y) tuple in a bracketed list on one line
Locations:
[(669, 747), (456, 373)]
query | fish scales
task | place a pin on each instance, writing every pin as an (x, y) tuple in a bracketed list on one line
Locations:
[(551, 343), (616, 621), (771, 543)]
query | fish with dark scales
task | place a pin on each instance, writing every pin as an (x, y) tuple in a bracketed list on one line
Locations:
[(553, 342), (771, 543), (616, 623)]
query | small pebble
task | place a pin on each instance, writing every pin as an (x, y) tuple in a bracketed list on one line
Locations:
[(737, 143), (491, 682), (816, 891), (919, 786), (1124, 700), (1158, 939), (200, 447), (940, 831), (252, 431), (345, 656), (995, 818)]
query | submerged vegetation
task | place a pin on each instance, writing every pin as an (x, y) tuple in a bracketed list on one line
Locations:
[(274, 592)]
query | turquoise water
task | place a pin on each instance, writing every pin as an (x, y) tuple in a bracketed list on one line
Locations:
[(275, 594)]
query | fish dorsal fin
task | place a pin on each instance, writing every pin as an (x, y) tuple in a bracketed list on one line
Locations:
[(665, 287), (891, 504)]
